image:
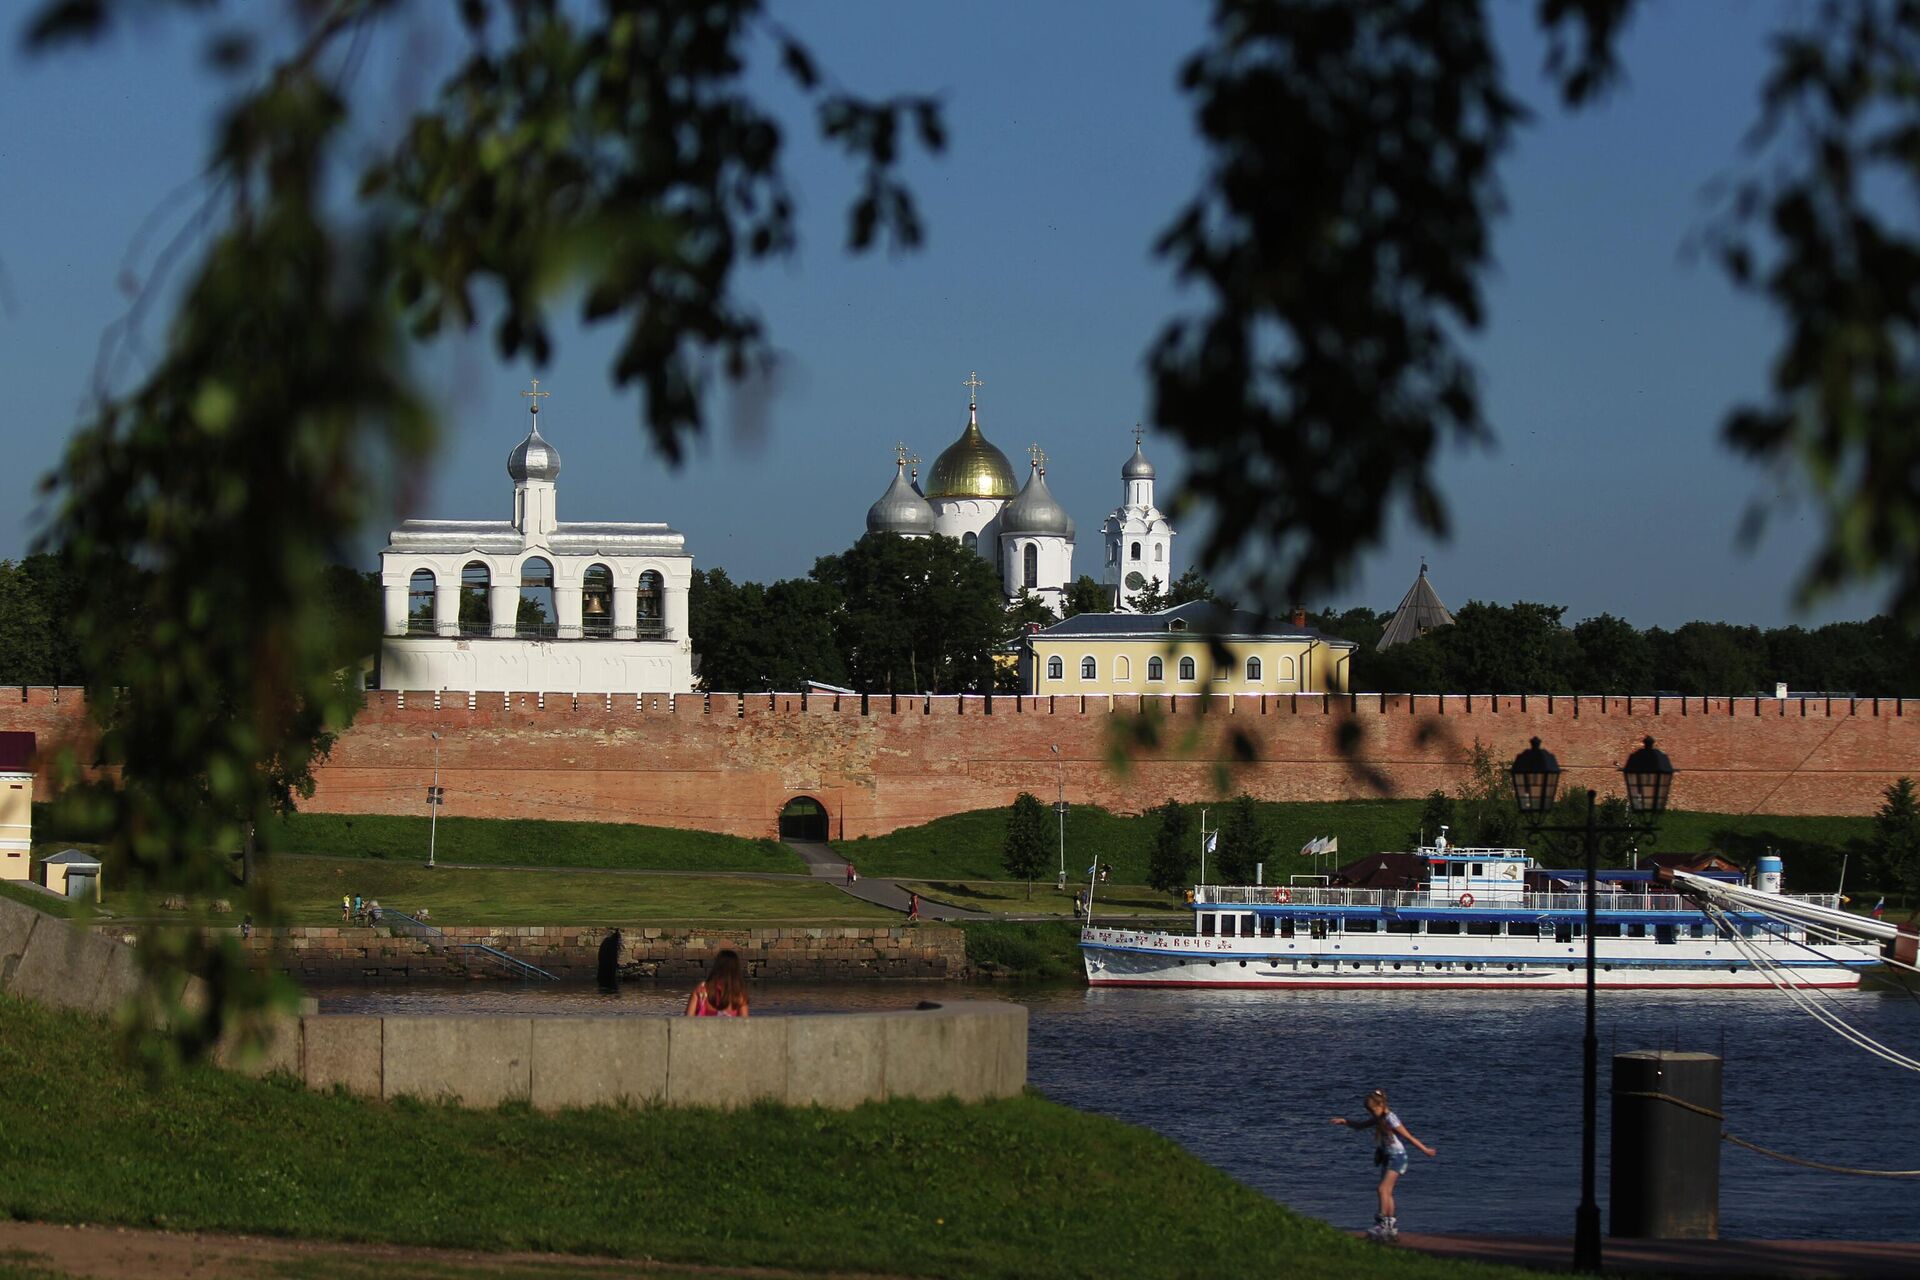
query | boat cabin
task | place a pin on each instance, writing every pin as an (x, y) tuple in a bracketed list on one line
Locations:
[(1476, 877)]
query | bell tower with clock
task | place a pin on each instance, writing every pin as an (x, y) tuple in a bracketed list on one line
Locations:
[(1137, 537)]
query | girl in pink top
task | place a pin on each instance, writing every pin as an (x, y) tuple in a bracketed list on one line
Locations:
[(724, 993)]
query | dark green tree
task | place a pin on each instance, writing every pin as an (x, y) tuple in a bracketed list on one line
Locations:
[(1436, 812), (1087, 596), (916, 614), (1024, 852), (1614, 657), (1517, 648), (1245, 843), (1895, 844), (26, 632), (1484, 812), (1188, 587), (1149, 598), (1170, 864)]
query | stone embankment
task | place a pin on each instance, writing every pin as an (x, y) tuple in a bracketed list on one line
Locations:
[(360, 954)]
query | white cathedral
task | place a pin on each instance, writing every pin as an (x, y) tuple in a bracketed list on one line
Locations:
[(971, 495)]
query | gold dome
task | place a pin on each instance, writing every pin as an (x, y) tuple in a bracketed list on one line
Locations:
[(971, 467)]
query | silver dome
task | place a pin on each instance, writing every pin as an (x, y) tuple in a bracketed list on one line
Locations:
[(1137, 468), (900, 509), (1033, 511), (533, 458)]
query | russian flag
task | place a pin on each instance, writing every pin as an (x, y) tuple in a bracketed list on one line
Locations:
[(1879, 907)]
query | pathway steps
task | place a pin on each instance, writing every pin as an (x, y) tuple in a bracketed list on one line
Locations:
[(828, 865)]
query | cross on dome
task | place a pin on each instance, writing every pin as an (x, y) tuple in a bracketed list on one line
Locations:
[(973, 385), (536, 395), (1138, 431), (1038, 455)]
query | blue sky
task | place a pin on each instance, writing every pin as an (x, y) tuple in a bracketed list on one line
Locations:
[(1607, 362)]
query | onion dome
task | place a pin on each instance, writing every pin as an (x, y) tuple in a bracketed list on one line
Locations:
[(533, 458), (900, 510), (1137, 468), (970, 467), (1035, 513)]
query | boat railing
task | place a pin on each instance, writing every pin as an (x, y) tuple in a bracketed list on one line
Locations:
[(1213, 895)]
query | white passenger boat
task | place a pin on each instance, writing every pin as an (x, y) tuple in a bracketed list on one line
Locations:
[(1485, 918)]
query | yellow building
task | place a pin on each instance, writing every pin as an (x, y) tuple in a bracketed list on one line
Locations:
[(1172, 652), (16, 806)]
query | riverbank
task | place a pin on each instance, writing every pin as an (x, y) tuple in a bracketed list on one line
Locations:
[(1020, 1187)]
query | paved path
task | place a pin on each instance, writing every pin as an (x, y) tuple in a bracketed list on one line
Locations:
[(828, 865), (1792, 1259)]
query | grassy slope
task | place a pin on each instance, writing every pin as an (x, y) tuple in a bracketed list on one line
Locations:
[(1020, 1187), (967, 845), (44, 902), (532, 842), (309, 892)]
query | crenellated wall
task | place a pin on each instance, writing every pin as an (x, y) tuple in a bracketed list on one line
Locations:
[(725, 762)]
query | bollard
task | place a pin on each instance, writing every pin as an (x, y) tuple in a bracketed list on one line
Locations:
[(609, 966), (1664, 1179)]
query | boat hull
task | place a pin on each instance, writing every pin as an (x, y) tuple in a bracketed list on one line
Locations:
[(1116, 958)]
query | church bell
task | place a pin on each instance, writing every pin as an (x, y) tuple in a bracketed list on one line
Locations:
[(596, 606)]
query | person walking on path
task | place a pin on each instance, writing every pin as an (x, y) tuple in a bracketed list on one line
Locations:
[(913, 908), (724, 993), (849, 873), (1390, 1155), (346, 908)]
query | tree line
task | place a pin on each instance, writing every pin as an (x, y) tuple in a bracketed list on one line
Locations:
[(1526, 647)]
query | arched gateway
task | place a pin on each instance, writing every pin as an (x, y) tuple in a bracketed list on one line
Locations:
[(804, 818)]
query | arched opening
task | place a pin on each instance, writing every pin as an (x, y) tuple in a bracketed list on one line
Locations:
[(476, 618), (1156, 669), (420, 593), (804, 818), (970, 540), (1056, 669), (596, 601), (1031, 568), (1135, 554), (650, 620), (1186, 668), (1157, 550), (1123, 668), (1253, 671), (1088, 668), (537, 615)]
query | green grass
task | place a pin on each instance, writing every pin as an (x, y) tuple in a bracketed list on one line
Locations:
[(1009, 897), (1039, 951), (39, 900), (1019, 1187), (531, 842), (309, 889), (966, 846)]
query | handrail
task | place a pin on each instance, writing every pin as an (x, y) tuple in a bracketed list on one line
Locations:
[(405, 923), (1489, 898)]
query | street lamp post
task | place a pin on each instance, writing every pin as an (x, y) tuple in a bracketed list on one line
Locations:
[(1649, 779), (433, 804)]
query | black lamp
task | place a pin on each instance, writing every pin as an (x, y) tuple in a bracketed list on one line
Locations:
[(1536, 776), (1649, 776)]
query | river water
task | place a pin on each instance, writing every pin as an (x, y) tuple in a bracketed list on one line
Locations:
[(1246, 1080)]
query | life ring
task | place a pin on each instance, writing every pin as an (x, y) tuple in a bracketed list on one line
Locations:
[(1281, 895), (1466, 899)]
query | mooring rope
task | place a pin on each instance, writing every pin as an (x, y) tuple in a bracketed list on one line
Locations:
[(1711, 1114)]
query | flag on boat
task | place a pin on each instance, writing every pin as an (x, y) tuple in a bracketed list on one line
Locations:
[(1879, 907), (1213, 838), (1324, 844)]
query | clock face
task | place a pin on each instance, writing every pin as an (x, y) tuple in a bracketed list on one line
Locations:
[(1135, 581)]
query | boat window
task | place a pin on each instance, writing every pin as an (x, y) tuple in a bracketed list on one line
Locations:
[(1319, 928), (1606, 931), (1266, 926), (1206, 924), (1486, 928), (1362, 926), (1443, 926), (1403, 926), (1563, 931), (1696, 930), (1664, 933), (1247, 925), (1286, 927), (1636, 931)]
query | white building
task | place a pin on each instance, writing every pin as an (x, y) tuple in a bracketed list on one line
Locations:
[(535, 604), (971, 495), (1139, 539)]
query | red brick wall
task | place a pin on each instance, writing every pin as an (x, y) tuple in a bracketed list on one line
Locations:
[(727, 764)]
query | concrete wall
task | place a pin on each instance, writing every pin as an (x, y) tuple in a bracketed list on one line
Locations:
[(726, 763), (971, 1050), (44, 958), (358, 954)]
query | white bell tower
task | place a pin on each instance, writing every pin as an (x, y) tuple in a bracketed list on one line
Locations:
[(1138, 538)]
